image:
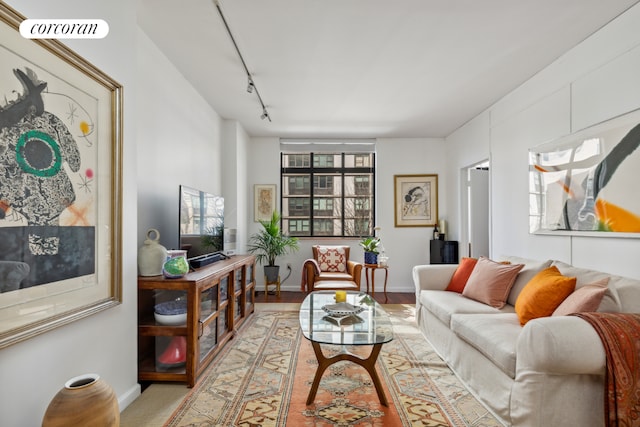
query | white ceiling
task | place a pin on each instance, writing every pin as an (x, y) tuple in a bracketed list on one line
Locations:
[(366, 68)]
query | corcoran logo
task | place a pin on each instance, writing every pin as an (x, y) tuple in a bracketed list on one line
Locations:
[(64, 28)]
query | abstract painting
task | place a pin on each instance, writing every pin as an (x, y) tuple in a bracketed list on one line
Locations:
[(587, 182), (60, 148), (416, 200)]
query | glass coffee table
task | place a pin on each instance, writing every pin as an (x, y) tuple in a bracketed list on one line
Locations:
[(370, 325)]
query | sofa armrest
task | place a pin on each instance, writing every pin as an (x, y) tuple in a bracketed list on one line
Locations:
[(560, 345), (435, 277)]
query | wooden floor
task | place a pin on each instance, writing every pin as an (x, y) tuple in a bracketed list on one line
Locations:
[(288, 296)]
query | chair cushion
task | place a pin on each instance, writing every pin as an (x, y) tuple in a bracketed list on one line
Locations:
[(332, 258), (328, 275), (335, 284)]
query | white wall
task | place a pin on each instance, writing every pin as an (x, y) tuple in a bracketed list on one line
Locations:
[(32, 372), (179, 142), (234, 181), (596, 81), (405, 246)]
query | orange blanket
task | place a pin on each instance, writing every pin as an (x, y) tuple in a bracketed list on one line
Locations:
[(620, 335)]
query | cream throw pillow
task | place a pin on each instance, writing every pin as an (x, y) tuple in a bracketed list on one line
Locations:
[(584, 299), (490, 282)]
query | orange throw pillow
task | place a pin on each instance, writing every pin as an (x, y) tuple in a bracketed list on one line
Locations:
[(543, 294), (461, 275)]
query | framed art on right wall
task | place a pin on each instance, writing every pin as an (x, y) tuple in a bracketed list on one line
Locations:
[(586, 183)]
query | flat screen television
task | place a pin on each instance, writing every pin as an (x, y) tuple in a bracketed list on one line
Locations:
[(201, 231)]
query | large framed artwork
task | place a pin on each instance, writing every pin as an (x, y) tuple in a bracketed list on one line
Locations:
[(587, 183), (60, 185), (416, 200), (264, 201)]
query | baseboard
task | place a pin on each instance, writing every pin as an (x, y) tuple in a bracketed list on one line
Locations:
[(128, 397)]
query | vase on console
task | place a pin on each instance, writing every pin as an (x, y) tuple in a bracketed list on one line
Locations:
[(85, 400), (176, 265), (151, 255)]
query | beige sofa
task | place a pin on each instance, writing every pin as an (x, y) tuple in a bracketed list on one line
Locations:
[(548, 373)]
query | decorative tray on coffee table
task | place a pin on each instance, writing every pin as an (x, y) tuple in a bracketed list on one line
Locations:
[(342, 309)]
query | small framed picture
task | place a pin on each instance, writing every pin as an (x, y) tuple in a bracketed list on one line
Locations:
[(264, 201), (416, 200)]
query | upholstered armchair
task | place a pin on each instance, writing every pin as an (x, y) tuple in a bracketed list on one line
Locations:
[(331, 269)]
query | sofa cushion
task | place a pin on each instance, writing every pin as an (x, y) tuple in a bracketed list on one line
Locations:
[(585, 299), (490, 282), (610, 302), (530, 269), (443, 304), (628, 292), (543, 294), (494, 335), (461, 275)]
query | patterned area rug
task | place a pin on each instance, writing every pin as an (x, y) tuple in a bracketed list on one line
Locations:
[(262, 378)]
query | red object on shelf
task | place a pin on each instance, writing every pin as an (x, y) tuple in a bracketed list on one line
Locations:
[(175, 354)]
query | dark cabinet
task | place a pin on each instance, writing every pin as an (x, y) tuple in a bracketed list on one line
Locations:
[(444, 251)]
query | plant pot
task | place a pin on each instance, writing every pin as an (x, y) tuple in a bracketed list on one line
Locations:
[(370, 258), (271, 273), (85, 401)]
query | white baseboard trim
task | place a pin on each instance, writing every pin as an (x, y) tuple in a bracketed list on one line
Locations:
[(128, 397)]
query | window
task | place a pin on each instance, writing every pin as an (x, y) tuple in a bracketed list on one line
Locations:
[(329, 194)]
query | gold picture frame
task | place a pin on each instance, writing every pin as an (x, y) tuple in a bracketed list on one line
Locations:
[(60, 228), (415, 200), (264, 201)]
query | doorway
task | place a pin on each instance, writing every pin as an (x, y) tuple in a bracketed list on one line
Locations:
[(476, 210)]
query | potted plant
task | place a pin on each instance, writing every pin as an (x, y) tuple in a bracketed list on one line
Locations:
[(370, 246), (269, 243)]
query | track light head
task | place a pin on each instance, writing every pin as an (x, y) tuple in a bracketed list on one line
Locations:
[(250, 86), (264, 115)]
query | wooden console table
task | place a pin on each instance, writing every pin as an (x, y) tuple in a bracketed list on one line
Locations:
[(219, 298)]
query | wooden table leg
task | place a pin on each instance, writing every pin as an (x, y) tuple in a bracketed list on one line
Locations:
[(373, 282), (369, 364), (366, 275), (386, 274)]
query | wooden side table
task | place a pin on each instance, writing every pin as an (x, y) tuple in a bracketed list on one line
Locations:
[(370, 269)]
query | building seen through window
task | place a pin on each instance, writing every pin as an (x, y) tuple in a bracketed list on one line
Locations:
[(329, 194)]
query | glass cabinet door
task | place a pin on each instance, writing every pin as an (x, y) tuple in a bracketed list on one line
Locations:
[(208, 302)]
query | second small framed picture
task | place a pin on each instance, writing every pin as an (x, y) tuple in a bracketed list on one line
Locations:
[(264, 201), (415, 200)]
